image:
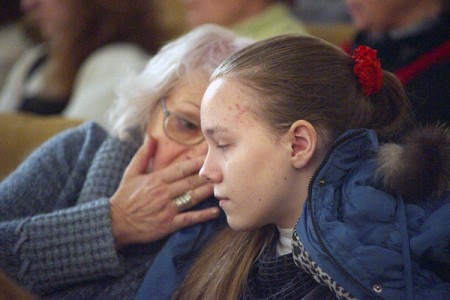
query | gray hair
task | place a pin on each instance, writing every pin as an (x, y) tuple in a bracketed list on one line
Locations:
[(198, 52)]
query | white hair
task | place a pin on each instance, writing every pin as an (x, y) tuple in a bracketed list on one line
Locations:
[(198, 52)]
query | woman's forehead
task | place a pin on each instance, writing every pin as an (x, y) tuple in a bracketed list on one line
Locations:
[(189, 90)]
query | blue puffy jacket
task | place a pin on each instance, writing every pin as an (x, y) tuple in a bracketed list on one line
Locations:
[(373, 226)]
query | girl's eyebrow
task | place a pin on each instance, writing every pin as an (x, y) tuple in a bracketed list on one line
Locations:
[(215, 130)]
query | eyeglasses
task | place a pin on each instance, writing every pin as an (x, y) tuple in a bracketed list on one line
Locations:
[(179, 128)]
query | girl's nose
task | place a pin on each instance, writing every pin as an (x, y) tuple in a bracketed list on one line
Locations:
[(210, 171), (204, 173)]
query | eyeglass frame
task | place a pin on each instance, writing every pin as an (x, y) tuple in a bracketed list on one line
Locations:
[(167, 113)]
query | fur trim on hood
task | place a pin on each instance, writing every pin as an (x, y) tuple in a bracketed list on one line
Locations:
[(419, 166)]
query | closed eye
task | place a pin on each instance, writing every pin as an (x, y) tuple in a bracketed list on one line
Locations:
[(222, 146), (186, 125)]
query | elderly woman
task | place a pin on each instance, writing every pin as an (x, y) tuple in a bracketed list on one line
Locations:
[(87, 214)]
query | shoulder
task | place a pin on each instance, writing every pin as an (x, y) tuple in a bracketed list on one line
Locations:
[(69, 152), (360, 219), (98, 79), (109, 63), (274, 20), (90, 132), (117, 55), (74, 148), (85, 138)]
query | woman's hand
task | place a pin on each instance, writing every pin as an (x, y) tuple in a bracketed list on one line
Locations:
[(142, 208)]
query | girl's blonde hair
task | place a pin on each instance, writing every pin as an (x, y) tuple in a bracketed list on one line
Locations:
[(222, 269)]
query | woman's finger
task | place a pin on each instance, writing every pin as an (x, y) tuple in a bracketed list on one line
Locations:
[(181, 170), (189, 218), (201, 193), (139, 163), (181, 186), (198, 194)]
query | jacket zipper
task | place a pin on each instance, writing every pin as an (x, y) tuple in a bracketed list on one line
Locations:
[(314, 222)]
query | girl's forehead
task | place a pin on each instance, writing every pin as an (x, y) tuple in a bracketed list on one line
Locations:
[(226, 105), (226, 90)]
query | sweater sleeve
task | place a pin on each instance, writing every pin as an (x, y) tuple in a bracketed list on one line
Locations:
[(48, 239)]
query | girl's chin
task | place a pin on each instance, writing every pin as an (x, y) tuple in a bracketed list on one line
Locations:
[(236, 226)]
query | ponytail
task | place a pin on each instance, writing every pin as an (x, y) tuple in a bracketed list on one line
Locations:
[(391, 117)]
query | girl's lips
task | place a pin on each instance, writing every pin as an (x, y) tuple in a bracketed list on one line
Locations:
[(222, 200)]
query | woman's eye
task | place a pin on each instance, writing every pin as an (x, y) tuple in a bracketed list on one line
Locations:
[(187, 125)]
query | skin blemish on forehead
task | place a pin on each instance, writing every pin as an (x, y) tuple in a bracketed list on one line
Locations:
[(240, 110), (229, 102), (236, 106)]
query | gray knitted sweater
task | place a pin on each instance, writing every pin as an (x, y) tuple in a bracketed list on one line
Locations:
[(55, 226)]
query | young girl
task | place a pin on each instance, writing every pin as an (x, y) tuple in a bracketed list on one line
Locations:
[(304, 159)]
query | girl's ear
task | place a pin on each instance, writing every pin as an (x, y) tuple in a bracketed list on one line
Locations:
[(303, 139)]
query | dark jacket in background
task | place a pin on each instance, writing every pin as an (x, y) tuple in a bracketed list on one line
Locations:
[(420, 57)]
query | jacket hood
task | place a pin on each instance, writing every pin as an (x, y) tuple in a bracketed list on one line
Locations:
[(418, 167)]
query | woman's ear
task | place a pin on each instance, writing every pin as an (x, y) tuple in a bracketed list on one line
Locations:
[(303, 139)]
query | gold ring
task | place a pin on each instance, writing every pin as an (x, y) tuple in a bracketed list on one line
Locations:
[(183, 202)]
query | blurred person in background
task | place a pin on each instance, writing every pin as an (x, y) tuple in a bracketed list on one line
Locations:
[(412, 38), (88, 46), (321, 11), (256, 19), (14, 40)]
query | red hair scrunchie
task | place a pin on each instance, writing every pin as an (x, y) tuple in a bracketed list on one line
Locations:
[(368, 70)]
